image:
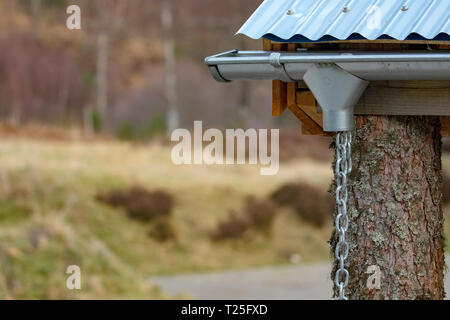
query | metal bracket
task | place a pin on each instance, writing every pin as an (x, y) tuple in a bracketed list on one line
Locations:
[(337, 92), (274, 61)]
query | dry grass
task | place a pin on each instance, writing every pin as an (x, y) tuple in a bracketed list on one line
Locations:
[(257, 215), (49, 218), (52, 219), (40, 132)]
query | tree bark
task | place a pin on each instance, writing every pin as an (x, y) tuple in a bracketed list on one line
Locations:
[(394, 208)]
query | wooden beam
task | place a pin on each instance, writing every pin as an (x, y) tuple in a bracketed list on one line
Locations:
[(279, 97), (303, 110), (305, 97), (375, 45), (430, 98), (308, 125), (292, 47), (390, 41), (291, 93), (311, 110), (267, 45)]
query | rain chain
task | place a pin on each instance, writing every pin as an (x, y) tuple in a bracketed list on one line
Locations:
[(342, 170)]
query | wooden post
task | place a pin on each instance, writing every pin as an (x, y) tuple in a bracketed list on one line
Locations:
[(395, 212)]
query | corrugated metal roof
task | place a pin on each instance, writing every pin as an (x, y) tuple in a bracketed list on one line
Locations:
[(326, 20)]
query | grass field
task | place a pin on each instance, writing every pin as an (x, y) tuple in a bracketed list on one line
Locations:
[(49, 218)]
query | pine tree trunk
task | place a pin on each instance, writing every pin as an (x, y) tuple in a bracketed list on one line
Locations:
[(395, 212)]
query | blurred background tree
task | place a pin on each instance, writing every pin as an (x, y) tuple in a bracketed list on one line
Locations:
[(132, 61)]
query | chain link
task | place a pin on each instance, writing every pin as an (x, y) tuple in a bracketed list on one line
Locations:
[(342, 170)]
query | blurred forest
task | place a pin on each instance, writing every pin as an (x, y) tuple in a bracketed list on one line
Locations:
[(135, 67), (123, 211)]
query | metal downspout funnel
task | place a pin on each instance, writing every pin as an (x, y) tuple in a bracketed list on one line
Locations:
[(337, 92)]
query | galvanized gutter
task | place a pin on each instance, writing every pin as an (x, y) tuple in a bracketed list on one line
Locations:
[(263, 65)]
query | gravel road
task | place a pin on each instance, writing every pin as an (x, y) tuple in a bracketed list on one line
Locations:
[(305, 282)]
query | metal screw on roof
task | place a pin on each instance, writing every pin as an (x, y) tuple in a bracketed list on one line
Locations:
[(290, 12), (346, 9), (405, 8)]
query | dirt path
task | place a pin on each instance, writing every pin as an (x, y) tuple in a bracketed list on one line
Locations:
[(307, 282)]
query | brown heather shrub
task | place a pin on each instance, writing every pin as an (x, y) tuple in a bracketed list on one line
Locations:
[(313, 205), (234, 227), (260, 212), (162, 230), (139, 203), (256, 215)]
